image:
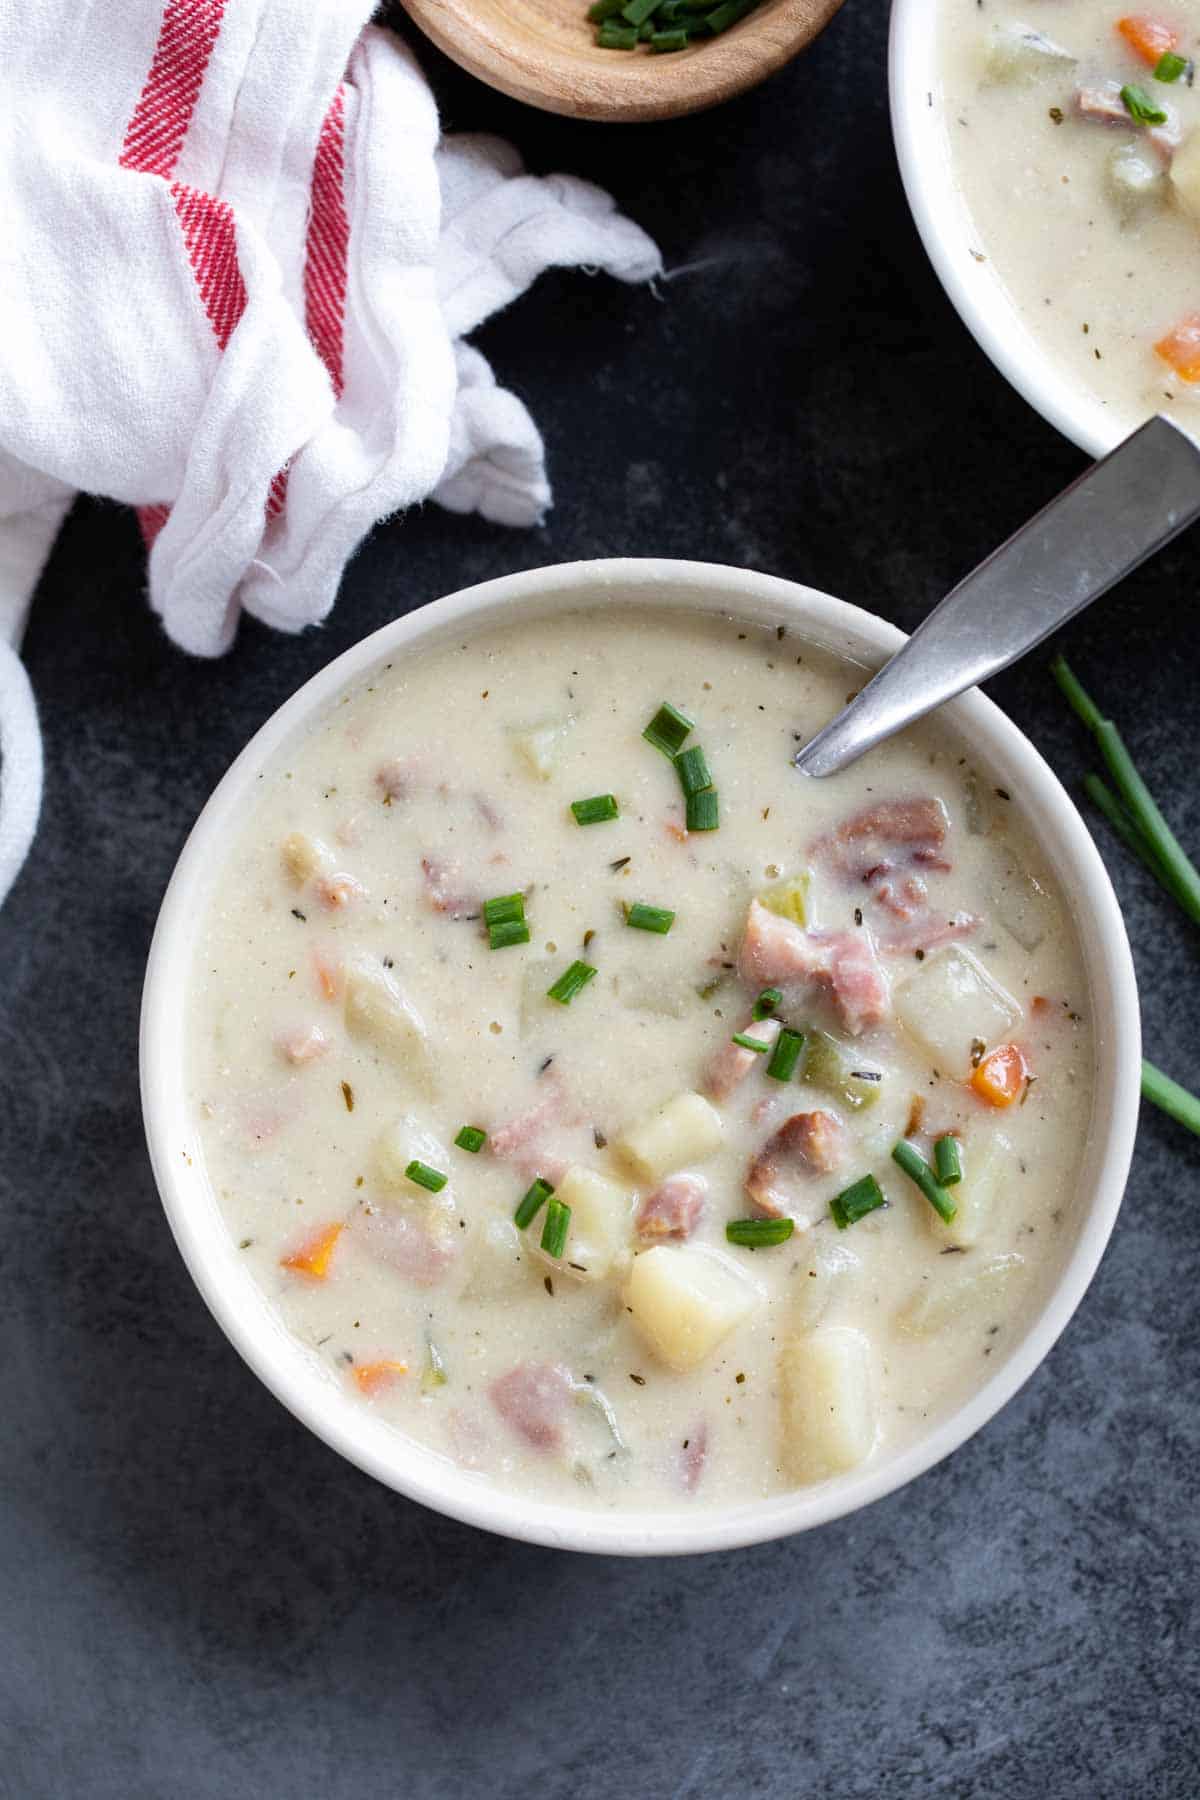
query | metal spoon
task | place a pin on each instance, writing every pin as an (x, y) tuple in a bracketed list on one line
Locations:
[(1144, 493)]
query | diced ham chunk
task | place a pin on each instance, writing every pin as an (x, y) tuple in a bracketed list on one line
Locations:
[(1100, 103), (445, 888), (730, 1064), (843, 964), (302, 1044), (398, 778), (522, 1140), (337, 892), (888, 835), (532, 1399), (421, 1243), (809, 1143), (691, 1458), (926, 932), (673, 1210)]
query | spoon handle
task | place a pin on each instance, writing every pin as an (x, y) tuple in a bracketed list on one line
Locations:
[(1117, 514)]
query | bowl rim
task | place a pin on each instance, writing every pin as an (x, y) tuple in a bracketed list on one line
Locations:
[(242, 1309), (944, 223), (621, 89)]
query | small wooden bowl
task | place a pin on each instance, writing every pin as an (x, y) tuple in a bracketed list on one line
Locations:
[(544, 52)]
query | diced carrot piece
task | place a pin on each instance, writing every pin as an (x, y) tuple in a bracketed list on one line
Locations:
[(329, 974), (1001, 1075), (1148, 38), (315, 1253), (373, 1376), (1181, 348)]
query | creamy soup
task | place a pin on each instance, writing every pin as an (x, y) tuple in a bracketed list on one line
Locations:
[(1074, 133), (551, 1076)]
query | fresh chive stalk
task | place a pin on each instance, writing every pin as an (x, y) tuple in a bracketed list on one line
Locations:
[(759, 1234), (471, 1138), (947, 1160), (668, 729), (1173, 1099), (555, 1228), (1161, 849), (747, 1042), (663, 43), (532, 1202), (604, 9), (766, 1003), (612, 35), (503, 937), (1138, 103), (728, 15), (855, 1202), (1170, 66), (570, 982), (919, 1171), (649, 918), (785, 1055), (596, 811), (691, 766), (701, 812), (425, 1177)]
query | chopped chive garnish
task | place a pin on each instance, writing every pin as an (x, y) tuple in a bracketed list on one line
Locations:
[(692, 769), (570, 982), (555, 1228), (766, 1003), (785, 1055), (856, 1201), (649, 918), (702, 811), (1170, 66), (728, 15), (425, 1177), (759, 1234), (514, 931), (669, 727), (918, 1170), (662, 43), (612, 35), (471, 1138), (747, 1042), (604, 9), (947, 1160), (596, 811), (1138, 104), (532, 1203), (506, 909), (638, 11)]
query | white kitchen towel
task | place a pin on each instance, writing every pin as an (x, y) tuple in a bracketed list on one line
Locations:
[(235, 271)]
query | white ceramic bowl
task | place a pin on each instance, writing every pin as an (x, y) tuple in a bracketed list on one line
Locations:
[(240, 1307), (944, 222)]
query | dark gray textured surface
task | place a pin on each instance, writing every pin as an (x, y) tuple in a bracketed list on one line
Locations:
[(198, 1599)]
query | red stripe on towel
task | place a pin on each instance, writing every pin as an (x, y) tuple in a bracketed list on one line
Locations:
[(328, 245), (160, 121)]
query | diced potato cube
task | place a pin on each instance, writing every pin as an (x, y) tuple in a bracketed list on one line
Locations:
[(1134, 179), (403, 1141), (824, 1268), (601, 1212), (1185, 175), (685, 1130), (951, 1004), (377, 1010), (1021, 904), (789, 898), (937, 1303), (538, 746), (497, 1258), (1021, 53), (668, 996), (303, 857), (828, 1407), (684, 1300), (985, 1161)]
